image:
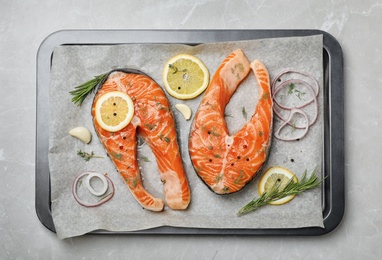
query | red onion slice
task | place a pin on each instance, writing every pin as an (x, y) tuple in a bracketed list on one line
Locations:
[(292, 113), (314, 100), (292, 81), (102, 201), (102, 178), (314, 89)]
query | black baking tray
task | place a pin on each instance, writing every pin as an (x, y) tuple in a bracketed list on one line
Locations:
[(333, 195)]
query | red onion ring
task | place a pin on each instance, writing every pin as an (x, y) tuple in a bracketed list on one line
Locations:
[(105, 199), (104, 182), (287, 83), (317, 90), (292, 112), (314, 99), (314, 91)]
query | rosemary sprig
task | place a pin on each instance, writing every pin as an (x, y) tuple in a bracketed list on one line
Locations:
[(80, 92), (292, 188), (87, 156)]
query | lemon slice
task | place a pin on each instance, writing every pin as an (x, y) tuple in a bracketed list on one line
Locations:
[(114, 110), (276, 177), (185, 76)]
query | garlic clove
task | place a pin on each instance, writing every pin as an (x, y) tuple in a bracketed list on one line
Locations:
[(184, 110), (81, 133)]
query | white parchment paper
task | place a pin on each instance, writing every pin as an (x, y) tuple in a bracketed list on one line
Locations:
[(73, 65)]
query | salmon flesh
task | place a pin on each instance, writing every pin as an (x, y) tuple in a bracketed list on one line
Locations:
[(154, 120), (226, 163)]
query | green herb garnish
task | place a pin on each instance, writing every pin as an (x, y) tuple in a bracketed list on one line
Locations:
[(175, 68), (117, 156), (244, 113), (87, 156), (150, 126), (104, 197), (292, 188), (292, 89), (215, 133), (80, 92), (145, 159)]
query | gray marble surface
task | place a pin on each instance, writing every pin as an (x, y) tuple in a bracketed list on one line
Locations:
[(355, 24)]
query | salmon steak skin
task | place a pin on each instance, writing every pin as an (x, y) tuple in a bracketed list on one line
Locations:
[(224, 162), (154, 121)]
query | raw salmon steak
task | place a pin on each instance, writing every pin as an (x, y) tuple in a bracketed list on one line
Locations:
[(226, 163), (154, 120)]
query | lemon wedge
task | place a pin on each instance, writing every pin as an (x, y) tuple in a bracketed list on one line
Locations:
[(114, 111), (276, 177), (185, 76)]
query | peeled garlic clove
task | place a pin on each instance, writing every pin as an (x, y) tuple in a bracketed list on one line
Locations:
[(82, 133), (185, 110)]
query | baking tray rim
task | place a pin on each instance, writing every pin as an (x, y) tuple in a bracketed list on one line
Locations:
[(333, 144)]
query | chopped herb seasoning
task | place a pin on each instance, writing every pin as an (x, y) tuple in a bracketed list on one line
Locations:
[(164, 108), (241, 67), (145, 159), (244, 113), (104, 197), (176, 70), (241, 175), (264, 96), (135, 182), (215, 133), (219, 177), (292, 89), (117, 156), (150, 126)]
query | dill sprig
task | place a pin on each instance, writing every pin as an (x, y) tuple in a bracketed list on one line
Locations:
[(292, 188), (80, 92), (87, 156)]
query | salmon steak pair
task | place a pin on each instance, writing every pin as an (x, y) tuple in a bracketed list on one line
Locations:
[(225, 163)]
